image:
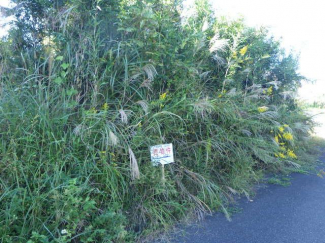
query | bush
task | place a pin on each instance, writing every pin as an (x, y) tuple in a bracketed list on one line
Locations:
[(85, 96)]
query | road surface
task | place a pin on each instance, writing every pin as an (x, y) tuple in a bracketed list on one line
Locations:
[(293, 214)]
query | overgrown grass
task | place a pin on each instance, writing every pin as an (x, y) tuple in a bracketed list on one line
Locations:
[(79, 113)]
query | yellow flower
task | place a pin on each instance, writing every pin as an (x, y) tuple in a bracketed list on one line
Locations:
[(276, 155), (269, 90), (222, 93), (105, 107), (163, 96), (291, 154), (262, 109), (93, 110), (276, 138), (243, 50), (288, 136), (285, 125), (281, 129), (113, 157), (281, 155)]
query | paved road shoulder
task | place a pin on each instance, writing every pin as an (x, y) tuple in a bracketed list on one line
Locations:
[(293, 214)]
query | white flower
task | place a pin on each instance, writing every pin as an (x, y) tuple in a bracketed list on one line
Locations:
[(64, 232)]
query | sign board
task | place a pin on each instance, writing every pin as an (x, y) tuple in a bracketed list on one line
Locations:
[(162, 154)]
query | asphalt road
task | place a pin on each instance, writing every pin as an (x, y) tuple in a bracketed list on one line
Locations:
[(293, 214)]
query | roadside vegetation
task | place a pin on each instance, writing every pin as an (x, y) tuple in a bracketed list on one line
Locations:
[(87, 86)]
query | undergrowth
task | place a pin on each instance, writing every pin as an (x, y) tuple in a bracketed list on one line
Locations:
[(88, 86)]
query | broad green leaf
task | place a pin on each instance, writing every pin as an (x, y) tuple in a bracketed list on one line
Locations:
[(58, 80), (65, 65), (71, 92)]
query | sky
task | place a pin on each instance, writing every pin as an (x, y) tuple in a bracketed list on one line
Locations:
[(301, 26), (299, 23), (4, 21)]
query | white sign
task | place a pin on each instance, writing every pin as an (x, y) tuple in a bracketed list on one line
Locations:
[(162, 154)]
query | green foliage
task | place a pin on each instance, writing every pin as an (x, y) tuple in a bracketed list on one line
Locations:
[(279, 180), (84, 97)]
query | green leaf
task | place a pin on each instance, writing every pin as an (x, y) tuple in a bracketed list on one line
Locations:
[(59, 58), (65, 65), (89, 205), (72, 104), (139, 43), (265, 56), (58, 80), (71, 92)]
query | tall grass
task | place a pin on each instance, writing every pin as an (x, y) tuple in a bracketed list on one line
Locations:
[(79, 113)]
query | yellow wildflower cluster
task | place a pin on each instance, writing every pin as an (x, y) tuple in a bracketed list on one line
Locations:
[(113, 157), (282, 128), (262, 109), (163, 96), (222, 93), (105, 153), (288, 136), (243, 50), (93, 110), (282, 137), (281, 155), (105, 107), (291, 154), (269, 91)]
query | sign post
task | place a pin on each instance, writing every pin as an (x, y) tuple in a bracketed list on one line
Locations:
[(162, 154)]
